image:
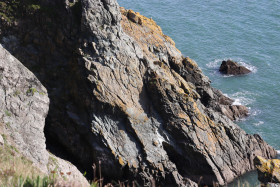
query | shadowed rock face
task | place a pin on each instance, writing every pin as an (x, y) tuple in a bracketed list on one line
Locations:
[(125, 95), (24, 105)]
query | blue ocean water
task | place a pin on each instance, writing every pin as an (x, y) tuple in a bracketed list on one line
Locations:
[(245, 31)]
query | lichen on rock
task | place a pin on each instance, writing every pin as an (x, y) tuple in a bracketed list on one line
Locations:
[(123, 94), (179, 106), (268, 170)]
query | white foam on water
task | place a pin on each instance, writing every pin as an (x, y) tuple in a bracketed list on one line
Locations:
[(214, 64), (237, 101), (278, 154), (254, 112), (243, 98), (249, 66), (259, 123)]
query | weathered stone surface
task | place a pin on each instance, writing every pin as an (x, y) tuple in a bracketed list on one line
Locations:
[(225, 105), (133, 16), (162, 124), (234, 112), (268, 170), (65, 170), (122, 93), (24, 106), (230, 67)]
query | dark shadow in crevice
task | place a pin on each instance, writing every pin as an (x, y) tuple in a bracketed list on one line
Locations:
[(45, 42)]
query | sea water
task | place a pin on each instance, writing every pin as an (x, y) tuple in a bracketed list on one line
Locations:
[(246, 31)]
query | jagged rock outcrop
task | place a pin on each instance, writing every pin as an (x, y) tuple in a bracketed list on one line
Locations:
[(226, 106), (159, 94), (268, 170), (230, 67), (24, 105), (122, 93)]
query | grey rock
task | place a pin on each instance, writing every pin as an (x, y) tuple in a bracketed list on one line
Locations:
[(24, 106), (162, 103), (128, 98), (66, 170)]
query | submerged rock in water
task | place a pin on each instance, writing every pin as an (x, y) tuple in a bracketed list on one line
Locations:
[(268, 170), (230, 67)]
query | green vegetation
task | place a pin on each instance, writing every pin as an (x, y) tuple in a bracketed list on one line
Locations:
[(7, 113), (31, 91), (11, 10), (4, 138), (16, 170), (35, 182), (52, 160)]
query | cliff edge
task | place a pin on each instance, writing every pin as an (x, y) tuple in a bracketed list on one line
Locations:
[(123, 94)]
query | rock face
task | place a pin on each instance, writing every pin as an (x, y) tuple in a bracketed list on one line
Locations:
[(24, 105), (123, 94), (268, 170), (230, 67)]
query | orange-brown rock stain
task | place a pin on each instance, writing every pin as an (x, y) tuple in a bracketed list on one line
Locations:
[(147, 34), (268, 166)]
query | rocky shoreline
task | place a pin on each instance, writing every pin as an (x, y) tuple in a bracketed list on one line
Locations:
[(120, 92)]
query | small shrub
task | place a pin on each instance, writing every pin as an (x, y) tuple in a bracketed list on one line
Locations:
[(16, 170)]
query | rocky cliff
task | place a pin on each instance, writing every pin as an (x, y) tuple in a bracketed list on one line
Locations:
[(24, 105), (122, 93)]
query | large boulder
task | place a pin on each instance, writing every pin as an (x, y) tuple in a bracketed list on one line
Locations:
[(268, 170), (24, 105), (230, 67)]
